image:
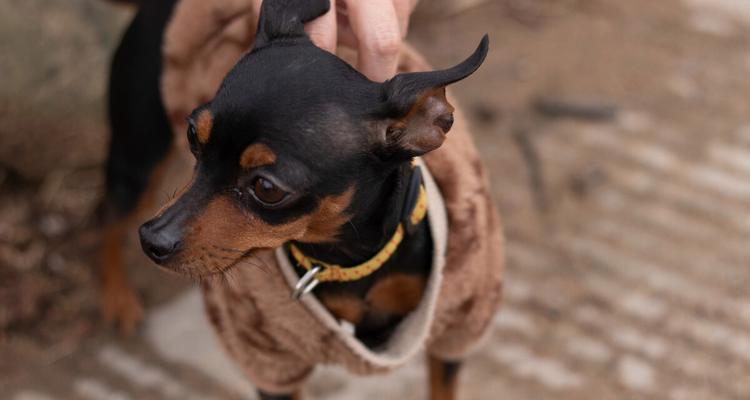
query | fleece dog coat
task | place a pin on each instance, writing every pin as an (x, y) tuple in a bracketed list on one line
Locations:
[(277, 341)]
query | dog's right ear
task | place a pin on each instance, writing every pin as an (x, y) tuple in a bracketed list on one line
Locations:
[(416, 111), (285, 18)]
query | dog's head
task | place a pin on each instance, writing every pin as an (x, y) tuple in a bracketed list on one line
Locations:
[(294, 142)]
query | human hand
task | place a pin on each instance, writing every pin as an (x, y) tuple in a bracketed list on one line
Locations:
[(375, 28)]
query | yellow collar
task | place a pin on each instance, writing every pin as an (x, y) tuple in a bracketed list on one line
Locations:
[(337, 273)]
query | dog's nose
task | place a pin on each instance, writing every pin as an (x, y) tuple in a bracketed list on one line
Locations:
[(159, 243)]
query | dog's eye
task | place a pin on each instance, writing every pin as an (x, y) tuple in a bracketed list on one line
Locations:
[(266, 192), (192, 136)]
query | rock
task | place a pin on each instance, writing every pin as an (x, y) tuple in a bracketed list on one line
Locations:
[(53, 86)]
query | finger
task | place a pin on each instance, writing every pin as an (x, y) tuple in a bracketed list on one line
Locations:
[(404, 9), (322, 30), (376, 27), (345, 34), (255, 4)]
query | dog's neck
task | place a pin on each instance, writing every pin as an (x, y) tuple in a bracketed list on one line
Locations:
[(362, 238), (370, 227)]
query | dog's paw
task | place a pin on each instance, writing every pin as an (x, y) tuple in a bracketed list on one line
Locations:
[(120, 307)]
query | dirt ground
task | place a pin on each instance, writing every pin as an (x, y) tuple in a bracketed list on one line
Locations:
[(617, 135)]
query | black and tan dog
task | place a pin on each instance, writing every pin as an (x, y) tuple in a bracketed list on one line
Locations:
[(300, 157)]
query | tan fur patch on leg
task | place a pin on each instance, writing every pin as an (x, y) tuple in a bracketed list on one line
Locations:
[(346, 307), (396, 294), (443, 384), (118, 301)]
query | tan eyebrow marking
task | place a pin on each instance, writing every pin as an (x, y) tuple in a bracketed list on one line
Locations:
[(203, 126), (257, 155)]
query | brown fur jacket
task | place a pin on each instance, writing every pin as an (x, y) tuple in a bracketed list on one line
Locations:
[(277, 341)]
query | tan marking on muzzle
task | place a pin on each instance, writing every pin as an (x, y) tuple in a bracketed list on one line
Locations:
[(223, 232)]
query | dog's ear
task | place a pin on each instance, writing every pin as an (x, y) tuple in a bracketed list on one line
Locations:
[(285, 18), (418, 113)]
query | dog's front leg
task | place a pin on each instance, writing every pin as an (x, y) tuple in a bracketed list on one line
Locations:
[(443, 378)]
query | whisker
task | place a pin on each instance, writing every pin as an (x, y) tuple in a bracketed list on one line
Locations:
[(356, 231), (254, 261), (230, 276), (225, 278), (228, 249), (224, 258)]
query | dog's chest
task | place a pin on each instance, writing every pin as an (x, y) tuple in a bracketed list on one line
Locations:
[(376, 305)]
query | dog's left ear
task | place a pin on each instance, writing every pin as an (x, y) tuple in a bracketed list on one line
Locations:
[(285, 18), (418, 112)]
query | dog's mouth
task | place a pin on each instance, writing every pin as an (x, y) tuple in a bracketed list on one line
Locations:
[(197, 272)]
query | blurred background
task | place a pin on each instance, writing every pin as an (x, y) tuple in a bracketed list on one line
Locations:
[(617, 135)]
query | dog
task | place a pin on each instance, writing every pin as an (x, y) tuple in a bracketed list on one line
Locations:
[(355, 230)]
